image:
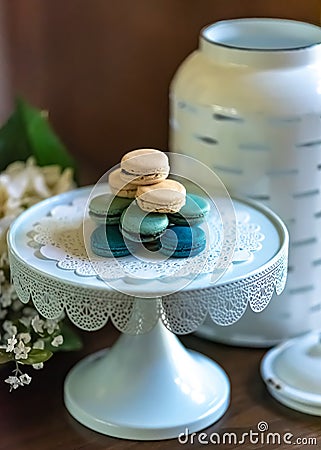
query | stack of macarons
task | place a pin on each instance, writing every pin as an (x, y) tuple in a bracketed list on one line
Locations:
[(161, 209)]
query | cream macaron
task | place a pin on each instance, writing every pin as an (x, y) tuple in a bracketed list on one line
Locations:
[(144, 166), (119, 187), (168, 196)]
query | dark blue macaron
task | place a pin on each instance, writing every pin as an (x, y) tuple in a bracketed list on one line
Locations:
[(192, 213), (108, 241), (182, 241)]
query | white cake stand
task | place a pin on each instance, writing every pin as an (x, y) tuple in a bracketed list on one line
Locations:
[(147, 386)]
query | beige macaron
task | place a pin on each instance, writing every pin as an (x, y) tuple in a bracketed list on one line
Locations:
[(168, 196), (145, 166), (119, 187)]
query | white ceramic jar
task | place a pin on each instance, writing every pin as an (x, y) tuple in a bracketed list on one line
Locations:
[(248, 104)]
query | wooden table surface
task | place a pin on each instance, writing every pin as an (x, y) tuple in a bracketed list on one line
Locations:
[(34, 417)]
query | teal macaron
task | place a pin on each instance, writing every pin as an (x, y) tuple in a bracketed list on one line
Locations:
[(107, 241), (192, 213), (140, 226), (182, 241), (107, 209)]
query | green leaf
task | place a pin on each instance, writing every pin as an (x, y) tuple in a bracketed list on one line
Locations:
[(5, 357), (36, 356), (14, 145), (28, 133), (45, 145), (72, 341)]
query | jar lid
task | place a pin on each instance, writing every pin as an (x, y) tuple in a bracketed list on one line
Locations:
[(291, 372)]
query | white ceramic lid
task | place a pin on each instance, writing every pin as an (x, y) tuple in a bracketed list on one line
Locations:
[(292, 373)]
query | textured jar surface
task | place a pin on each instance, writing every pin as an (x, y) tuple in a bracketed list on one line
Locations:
[(254, 117)]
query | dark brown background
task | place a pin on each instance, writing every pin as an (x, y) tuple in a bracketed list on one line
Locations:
[(103, 67)]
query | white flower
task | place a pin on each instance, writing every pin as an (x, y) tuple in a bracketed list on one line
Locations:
[(14, 168), (2, 277), (9, 203), (58, 340), (9, 328), (51, 174), (7, 296), (64, 183), (38, 366), (25, 378), (9, 209), (39, 344), (5, 300), (28, 311), (11, 342), (25, 337), (14, 382), (26, 179), (4, 260), (21, 351), (26, 321), (51, 325), (23, 184), (37, 324), (16, 304)]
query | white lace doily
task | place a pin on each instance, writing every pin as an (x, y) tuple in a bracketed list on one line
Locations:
[(89, 303), (61, 238)]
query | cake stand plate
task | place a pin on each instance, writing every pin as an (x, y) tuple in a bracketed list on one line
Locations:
[(147, 387), (292, 371)]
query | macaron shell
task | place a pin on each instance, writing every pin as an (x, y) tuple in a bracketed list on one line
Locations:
[(194, 212), (103, 220), (124, 193), (145, 180), (155, 208), (108, 242), (140, 238), (144, 160), (140, 226), (144, 166), (119, 187), (183, 242), (166, 197), (107, 208)]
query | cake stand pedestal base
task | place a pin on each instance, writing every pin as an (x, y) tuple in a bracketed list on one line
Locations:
[(147, 387), (292, 371)]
